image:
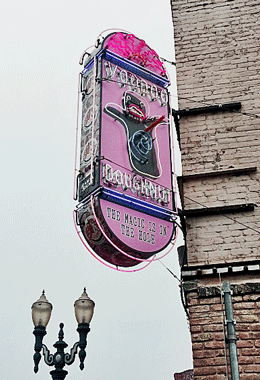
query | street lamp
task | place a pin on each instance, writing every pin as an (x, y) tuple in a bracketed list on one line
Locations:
[(41, 313)]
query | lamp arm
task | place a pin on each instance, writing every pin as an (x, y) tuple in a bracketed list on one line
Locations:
[(83, 330), (48, 357), (39, 332), (70, 357)]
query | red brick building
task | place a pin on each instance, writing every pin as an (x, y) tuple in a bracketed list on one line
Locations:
[(217, 44)]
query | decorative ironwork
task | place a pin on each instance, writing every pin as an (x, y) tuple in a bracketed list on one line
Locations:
[(48, 357), (69, 358), (59, 359)]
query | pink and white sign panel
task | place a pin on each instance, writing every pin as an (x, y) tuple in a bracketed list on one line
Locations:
[(137, 230), (132, 201)]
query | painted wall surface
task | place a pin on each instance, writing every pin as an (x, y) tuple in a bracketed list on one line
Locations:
[(217, 47)]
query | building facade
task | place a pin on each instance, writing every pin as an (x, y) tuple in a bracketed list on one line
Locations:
[(217, 44)]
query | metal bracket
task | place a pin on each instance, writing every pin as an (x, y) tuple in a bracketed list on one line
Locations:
[(233, 321), (226, 291), (208, 109)]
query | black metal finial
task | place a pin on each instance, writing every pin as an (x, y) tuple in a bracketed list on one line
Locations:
[(61, 333)]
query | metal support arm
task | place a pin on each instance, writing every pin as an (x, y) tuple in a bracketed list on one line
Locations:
[(39, 333), (60, 358)]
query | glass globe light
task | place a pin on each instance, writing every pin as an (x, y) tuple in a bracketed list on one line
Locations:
[(84, 308), (41, 311)]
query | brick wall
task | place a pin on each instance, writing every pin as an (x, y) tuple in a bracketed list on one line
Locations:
[(217, 46), (206, 324)]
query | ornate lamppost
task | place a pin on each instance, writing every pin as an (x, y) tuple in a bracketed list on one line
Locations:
[(41, 313)]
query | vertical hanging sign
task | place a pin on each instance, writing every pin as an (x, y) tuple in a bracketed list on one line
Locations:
[(126, 207)]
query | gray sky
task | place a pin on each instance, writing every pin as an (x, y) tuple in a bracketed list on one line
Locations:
[(139, 330)]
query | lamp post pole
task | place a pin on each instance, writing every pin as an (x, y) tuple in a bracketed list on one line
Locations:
[(41, 312)]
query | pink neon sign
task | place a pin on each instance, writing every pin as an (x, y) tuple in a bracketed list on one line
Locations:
[(126, 210), (130, 47)]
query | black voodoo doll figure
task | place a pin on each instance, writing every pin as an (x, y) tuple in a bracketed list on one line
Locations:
[(138, 128)]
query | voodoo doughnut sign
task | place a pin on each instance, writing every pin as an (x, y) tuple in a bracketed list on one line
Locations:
[(126, 209)]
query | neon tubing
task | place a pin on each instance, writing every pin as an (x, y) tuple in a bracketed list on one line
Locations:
[(98, 258), (119, 249), (76, 145)]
